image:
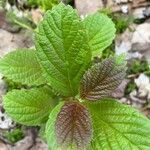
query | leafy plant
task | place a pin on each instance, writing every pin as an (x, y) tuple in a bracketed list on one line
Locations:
[(109, 51), (2, 3), (14, 135), (20, 21), (139, 66), (121, 21), (130, 87), (44, 4), (85, 117)]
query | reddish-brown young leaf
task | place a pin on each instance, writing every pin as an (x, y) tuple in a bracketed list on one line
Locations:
[(73, 126), (102, 79)]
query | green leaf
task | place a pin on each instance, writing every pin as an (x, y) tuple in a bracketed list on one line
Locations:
[(102, 79), (50, 127), (19, 21), (62, 48), (22, 66), (28, 107), (2, 4), (118, 127), (48, 4), (44, 4), (120, 59), (101, 31), (73, 126)]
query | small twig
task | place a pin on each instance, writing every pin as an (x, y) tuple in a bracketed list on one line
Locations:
[(133, 75)]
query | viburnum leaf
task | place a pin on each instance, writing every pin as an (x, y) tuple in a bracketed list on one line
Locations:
[(101, 31), (50, 127), (102, 79), (73, 126), (22, 66), (118, 127), (62, 48), (29, 107)]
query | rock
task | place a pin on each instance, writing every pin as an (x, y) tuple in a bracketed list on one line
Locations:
[(123, 42), (143, 84), (36, 15), (120, 1), (140, 8), (134, 55), (4, 146), (135, 43), (146, 112), (125, 100), (136, 101), (31, 141), (24, 144), (141, 12), (5, 121), (140, 97), (85, 7), (142, 80), (123, 47), (131, 5), (28, 143), (147, 12), (141, 38), (40, 145), (4, 24), (147, 55), (10, 41), (125, 9)]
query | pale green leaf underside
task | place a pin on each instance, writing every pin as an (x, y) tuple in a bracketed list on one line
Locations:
[(101, 31), (50, 127), (29, 107), (22, 66), (62, 48), (118, 127)]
